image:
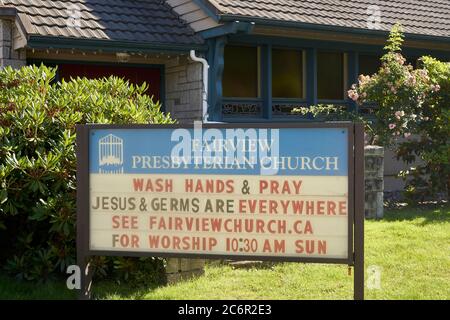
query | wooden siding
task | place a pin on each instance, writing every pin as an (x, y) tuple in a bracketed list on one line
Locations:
[(190, 12)]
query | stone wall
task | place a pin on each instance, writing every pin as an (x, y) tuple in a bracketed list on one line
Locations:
[(183, 99), (374, 183), (183, 96), (9, 56)]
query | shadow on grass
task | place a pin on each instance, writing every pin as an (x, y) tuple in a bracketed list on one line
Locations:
[(14, 289), (430, 213), (55, 289), (113, 290)]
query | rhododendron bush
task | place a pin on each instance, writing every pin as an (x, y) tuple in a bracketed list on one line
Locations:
[(38, 168), (412, 112)]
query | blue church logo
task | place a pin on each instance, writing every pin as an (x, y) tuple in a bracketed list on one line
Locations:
[(110, 157)]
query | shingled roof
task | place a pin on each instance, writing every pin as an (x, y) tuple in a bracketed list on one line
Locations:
[(139, 21), (421, 17)]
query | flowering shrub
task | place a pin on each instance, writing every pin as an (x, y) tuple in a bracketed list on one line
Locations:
[(38, 164), (330, 112), (412, 104)]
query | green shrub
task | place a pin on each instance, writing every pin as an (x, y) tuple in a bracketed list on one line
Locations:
[(38, 163), (332, 112), (413, 104), (329, 112)]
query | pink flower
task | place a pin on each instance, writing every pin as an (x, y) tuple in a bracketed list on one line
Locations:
[(423, 72), (399, 58), (407, 135), (399, 114), (412, 80), (352, 94), (392, 126), (362, 79), (435, 88)]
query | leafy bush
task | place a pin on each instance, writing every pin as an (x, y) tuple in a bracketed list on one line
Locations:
[(332, 112), (38, 163), (413, 104), (329, 112)]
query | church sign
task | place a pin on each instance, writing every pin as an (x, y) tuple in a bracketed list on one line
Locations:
[(279, 192)]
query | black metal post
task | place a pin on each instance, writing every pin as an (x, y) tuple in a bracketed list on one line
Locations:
[(82, 212), (359, 198)]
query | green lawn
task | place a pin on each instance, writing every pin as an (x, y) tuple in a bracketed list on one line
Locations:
[(411, 246)]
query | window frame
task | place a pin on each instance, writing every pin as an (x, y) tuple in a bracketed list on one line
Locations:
[(267, 102)]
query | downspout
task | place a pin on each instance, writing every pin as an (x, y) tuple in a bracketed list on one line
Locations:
[(205, 84)]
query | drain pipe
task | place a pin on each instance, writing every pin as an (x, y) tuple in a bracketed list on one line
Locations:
[(205, 84)]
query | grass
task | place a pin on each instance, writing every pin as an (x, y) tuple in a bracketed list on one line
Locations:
[(410, 245)]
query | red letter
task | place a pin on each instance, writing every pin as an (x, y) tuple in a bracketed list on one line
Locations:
[(263, 185), (115, 221), (188, 185), (138, 184), (331, 208), (342, 208)]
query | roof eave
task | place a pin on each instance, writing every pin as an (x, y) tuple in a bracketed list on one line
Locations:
[(7, 12), (209, 8), (321, 27), (106, 45)]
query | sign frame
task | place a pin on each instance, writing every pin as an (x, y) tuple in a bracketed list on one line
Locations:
[(355, 253)]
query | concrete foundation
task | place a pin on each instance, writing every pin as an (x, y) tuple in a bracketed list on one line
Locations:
[(183, 269)]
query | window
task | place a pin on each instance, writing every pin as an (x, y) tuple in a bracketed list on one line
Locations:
[(287, 74), (330, 76), (240, 74), (135, 75), (369, 64)]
